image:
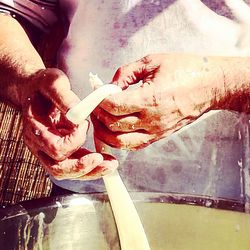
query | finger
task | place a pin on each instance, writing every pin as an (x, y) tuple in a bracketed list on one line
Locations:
[(55, 86), (129, 74), (125, 103), (95, 174), (78, 164), (136, 71), (108, 165), (130, 141), (32, 145), (54, 144), (118, 123)]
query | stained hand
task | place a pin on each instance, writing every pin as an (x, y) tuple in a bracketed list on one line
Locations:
[(174, 89), (54, 140)]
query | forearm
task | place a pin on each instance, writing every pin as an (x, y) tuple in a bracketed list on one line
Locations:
[(212, 83), (18, 60)]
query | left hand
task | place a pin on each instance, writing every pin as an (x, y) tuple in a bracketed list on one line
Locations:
[(51, 137), (176, 89)]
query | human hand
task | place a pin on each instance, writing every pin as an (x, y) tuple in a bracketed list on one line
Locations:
[(175, 90), (54, 140)]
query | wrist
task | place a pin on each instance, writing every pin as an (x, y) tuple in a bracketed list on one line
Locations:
[(234, 88), (25, 87), (199, 86)]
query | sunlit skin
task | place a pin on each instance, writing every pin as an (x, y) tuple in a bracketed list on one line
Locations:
[(175, 90), (50, 136), (44, 96)]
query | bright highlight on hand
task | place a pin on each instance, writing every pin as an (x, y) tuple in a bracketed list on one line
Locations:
[(51, 136), (173, 91)]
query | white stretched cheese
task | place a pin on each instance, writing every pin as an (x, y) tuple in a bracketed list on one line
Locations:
[(130, 229), (84, 108)]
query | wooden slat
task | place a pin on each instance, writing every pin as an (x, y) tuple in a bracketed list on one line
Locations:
[(21, 175)]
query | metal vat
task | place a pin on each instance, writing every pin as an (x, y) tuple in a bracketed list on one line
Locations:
[(171, 221)]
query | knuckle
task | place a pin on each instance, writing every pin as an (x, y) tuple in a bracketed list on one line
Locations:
[(57, 171), (57, 151), (146, 59), (59, 156), (53, 78), (119, 71), (156, 126), (124, 143), (121, 76), (113, 125), (112, 107)]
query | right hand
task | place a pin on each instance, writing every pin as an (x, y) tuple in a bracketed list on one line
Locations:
[(173, 90), (53, 139)]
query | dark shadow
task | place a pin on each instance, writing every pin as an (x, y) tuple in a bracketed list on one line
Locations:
[(219, 7), (247, 1)]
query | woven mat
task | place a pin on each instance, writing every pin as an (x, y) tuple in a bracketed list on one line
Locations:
[(21, 176)]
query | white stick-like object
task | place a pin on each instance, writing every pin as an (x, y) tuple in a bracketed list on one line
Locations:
[(84, 108), (131, 232)]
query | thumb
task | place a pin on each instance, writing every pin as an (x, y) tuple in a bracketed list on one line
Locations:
[(55, 85), (136, 71)]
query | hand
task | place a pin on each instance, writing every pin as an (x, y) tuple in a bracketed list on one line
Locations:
[(54, 140), (175, 90)]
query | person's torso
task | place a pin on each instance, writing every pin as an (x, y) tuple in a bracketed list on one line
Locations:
[(104, 35)]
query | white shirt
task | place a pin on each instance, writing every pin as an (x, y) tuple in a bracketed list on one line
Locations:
[(103, 35)]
